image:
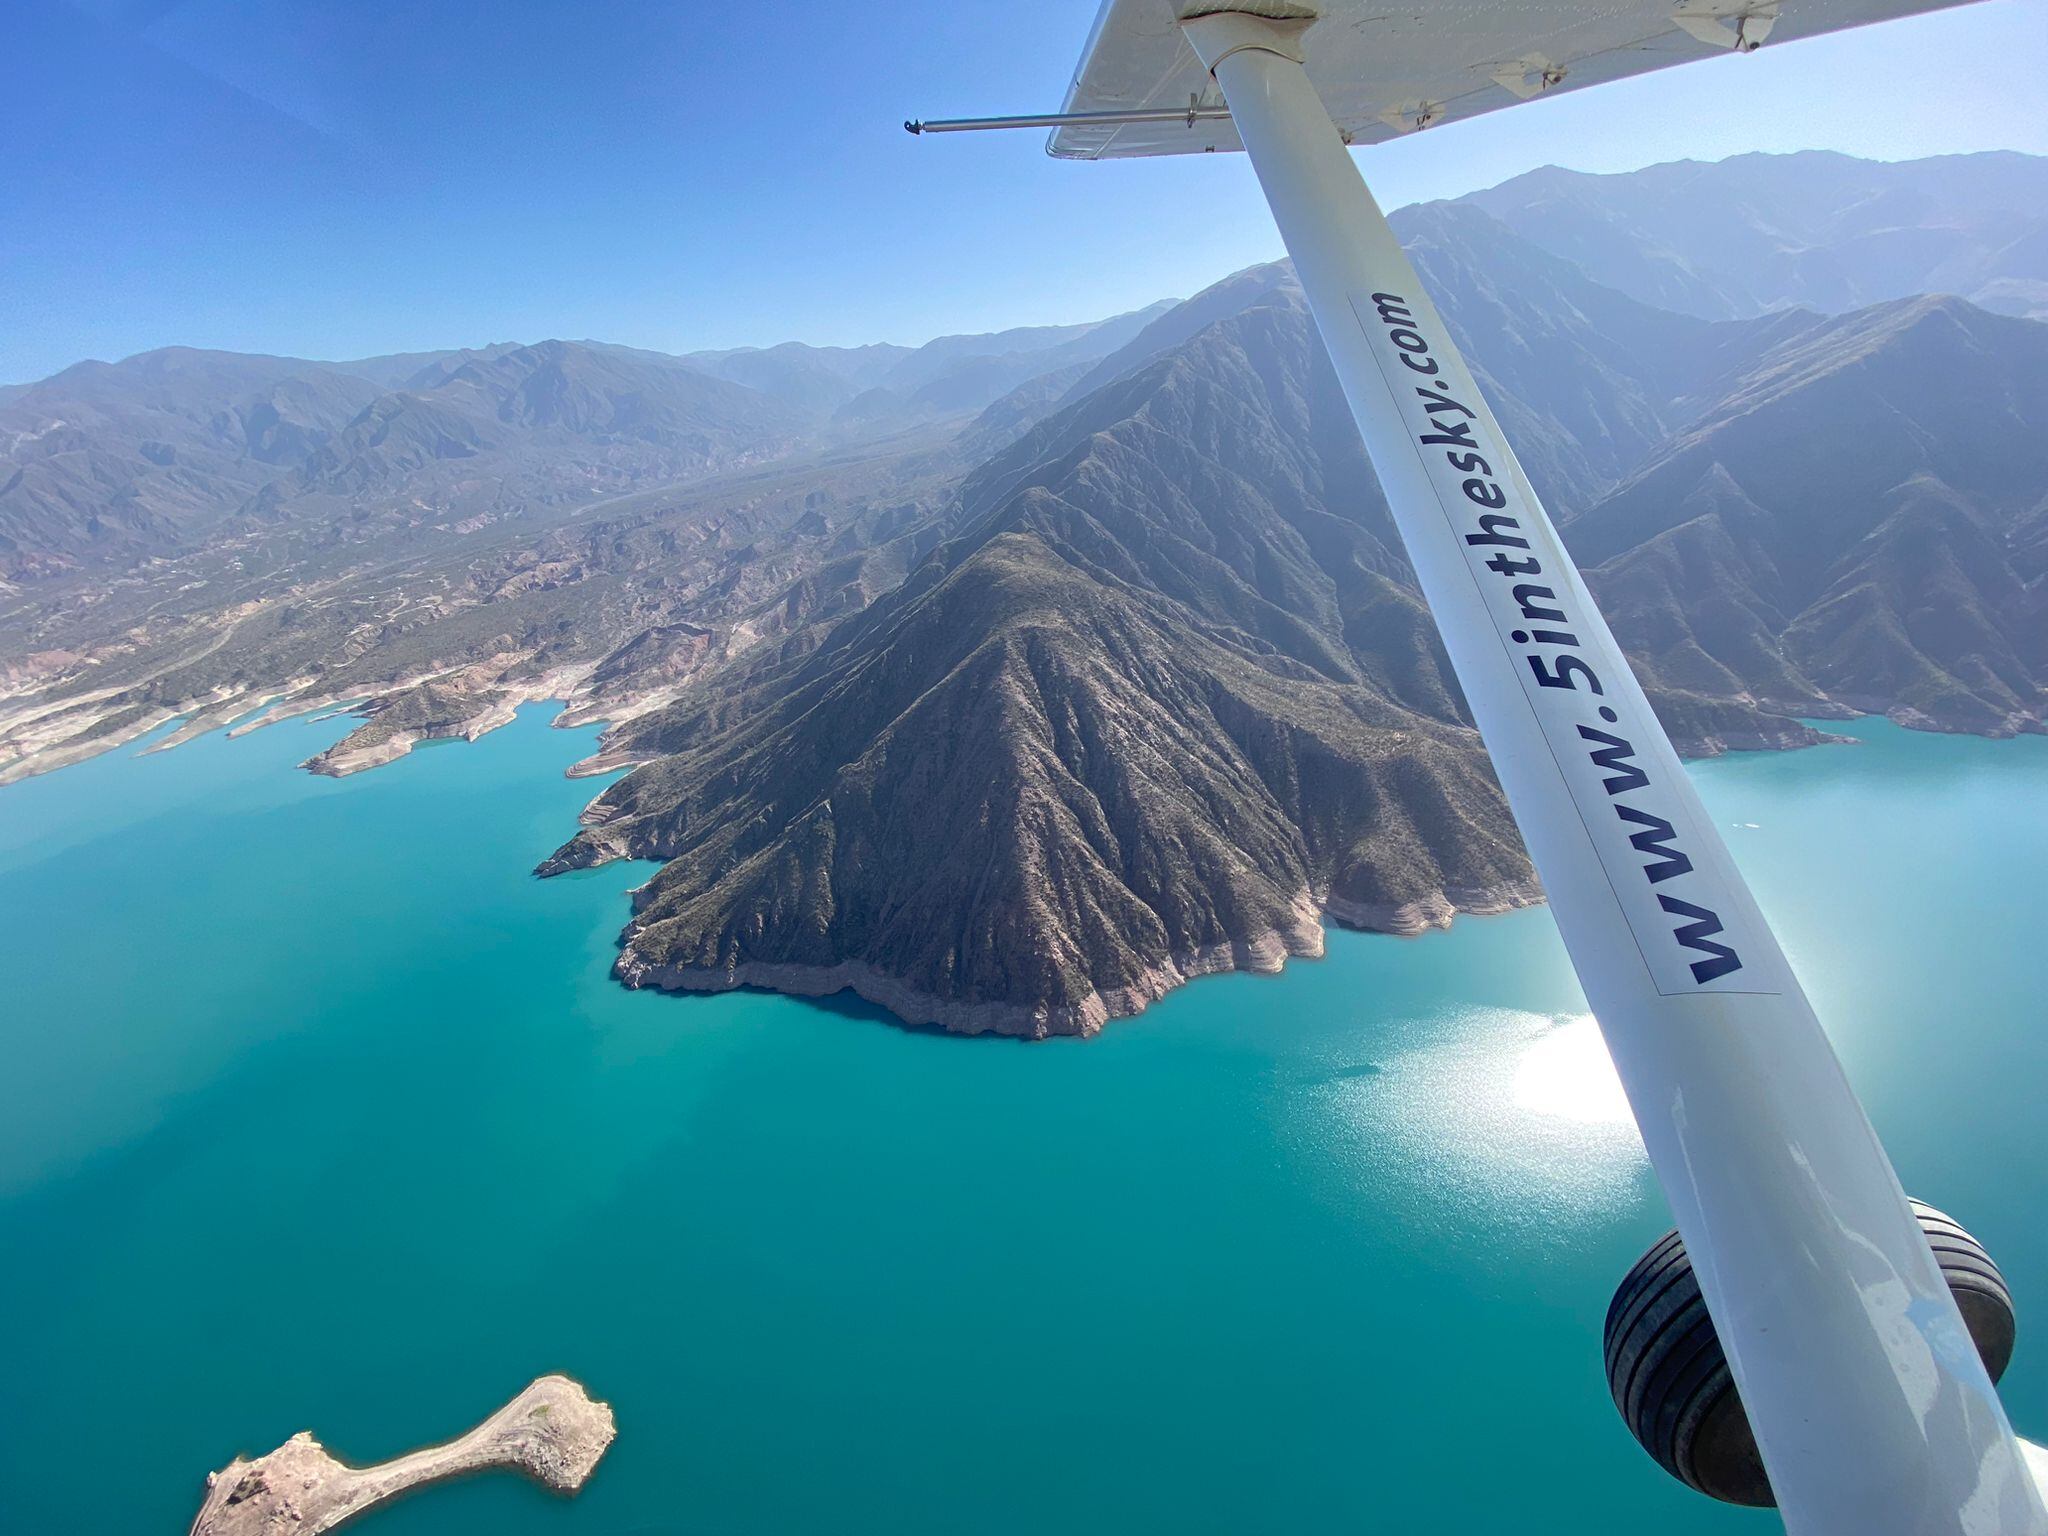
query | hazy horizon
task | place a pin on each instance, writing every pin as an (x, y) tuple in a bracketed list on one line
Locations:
[(430, 348)]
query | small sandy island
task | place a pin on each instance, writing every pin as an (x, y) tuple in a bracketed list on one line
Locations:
[(552, 1431)]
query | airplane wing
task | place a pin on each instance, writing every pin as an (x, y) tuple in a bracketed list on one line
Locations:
[(1384, 70)]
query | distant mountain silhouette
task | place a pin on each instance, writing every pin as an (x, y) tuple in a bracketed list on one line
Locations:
[(1815, 230), (898, 385), (112, 463), (154, 457)]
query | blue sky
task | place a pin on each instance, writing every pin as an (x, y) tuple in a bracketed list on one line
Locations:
[(334, 178)]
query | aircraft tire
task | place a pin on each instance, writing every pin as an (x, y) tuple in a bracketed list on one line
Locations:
[(1671, 1381)]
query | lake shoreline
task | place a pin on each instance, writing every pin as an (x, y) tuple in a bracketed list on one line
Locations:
[(1264, 953)]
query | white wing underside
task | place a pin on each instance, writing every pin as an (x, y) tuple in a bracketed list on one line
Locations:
[(1388, 69)]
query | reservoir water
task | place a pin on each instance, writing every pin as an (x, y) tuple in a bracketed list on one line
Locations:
[(317, 1111)]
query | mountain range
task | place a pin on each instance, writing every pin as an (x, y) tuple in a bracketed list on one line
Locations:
[(175, 451), (1014, 679), (1816, 230)]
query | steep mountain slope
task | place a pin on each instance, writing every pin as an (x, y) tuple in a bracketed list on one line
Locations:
[(1851, 525), (1163, 699), (1816, 229), (1587, 380), (1180, 323)]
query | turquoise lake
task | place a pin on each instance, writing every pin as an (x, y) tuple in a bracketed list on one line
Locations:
[(318, 1111)]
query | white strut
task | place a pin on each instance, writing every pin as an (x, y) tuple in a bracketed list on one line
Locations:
[(1871, 1407)]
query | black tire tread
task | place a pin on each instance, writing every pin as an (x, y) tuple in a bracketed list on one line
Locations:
[(1666, 1368)]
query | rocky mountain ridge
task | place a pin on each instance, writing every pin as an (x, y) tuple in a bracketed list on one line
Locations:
[(1141, 718)]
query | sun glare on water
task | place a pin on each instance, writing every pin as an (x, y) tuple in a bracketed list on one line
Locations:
[(1567, 1074), (1490, 1115)]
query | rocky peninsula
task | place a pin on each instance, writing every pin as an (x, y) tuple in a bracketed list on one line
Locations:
[(553, 1432)]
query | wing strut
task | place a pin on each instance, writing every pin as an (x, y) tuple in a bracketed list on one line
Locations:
[(1872, 1409)]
